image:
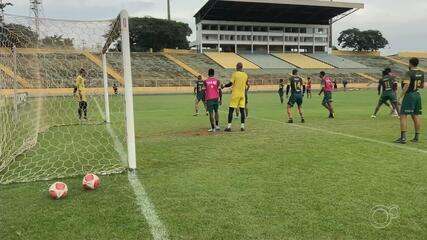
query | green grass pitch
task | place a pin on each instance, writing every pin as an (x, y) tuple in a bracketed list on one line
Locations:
[(318, 180)]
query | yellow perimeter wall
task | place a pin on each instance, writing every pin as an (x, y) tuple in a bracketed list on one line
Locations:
[(419, 54), (230, 60)]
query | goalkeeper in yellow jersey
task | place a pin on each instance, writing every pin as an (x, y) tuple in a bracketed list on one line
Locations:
[(239, 82), (80, 94)]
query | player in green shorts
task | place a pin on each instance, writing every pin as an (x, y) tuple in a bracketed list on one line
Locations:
[(297, 87), (199, 91), (411, 101), (388, 86)]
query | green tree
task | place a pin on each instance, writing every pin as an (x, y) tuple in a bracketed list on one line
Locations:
[(17, 35), (370, 40), (57, 41), (148, 32)]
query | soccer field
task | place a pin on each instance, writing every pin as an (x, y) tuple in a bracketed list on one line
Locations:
[(325, 179)]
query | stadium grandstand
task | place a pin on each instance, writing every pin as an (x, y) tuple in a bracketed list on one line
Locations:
[(267, 26)]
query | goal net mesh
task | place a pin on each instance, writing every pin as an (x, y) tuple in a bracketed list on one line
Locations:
[(41, 134)]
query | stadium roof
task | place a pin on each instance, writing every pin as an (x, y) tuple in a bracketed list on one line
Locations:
[(275, 11)]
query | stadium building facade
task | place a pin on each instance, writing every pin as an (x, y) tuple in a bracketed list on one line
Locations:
[(268, 26)]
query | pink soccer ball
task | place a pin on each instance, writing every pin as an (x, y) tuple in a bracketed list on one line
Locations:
[(58, 190), (91, 182)]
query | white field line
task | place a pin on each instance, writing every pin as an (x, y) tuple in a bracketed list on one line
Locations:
[(389, 144), (157, 228)]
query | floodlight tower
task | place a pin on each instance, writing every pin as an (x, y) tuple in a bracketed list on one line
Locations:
[(36, 11)]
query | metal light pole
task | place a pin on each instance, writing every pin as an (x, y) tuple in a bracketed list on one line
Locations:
[(330, 32), (169, 10)]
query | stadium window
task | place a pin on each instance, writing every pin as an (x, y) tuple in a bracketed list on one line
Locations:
[(276, 29), (248, 28), (214, 27), (223, 27), (295, 30), (321, 30), (288, 30), (303, 30), (205, 27)]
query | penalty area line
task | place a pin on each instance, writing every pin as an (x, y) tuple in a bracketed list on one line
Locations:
[(393, 145), (157, 228)]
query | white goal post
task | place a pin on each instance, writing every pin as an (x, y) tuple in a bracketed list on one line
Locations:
[(122, 25), (59, 114)]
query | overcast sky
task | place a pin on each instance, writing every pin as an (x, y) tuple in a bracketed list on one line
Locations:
[(403, 22)]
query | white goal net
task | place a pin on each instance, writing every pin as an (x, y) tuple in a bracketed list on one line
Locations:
[(63, 110)]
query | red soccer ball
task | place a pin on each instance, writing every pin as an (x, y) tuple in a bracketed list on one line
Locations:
[(58, 190), (91, 182)]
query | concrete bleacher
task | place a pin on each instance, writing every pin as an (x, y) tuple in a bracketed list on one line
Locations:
[(302, 61), (378, 62), (229, 60), (337, 62), (267, 61), (152, 69)]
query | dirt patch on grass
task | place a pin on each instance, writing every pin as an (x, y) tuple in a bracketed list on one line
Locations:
[(195, 133)]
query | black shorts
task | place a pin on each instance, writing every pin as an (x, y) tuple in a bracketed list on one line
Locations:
[(83, 105)]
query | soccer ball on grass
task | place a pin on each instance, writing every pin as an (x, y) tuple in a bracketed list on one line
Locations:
[(58, 190), (91, 182)]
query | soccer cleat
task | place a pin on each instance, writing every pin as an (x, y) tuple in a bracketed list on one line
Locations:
[(401, 141), (211, 130), (374, 116), (290, 121), (207, 113), (196, 114), (227, 130), (242, 129), (332, 115), (302, 120), (217, 128), (414, 140)]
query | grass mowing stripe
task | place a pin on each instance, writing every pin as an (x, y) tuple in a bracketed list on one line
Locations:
[(393, 145), (158, 229)]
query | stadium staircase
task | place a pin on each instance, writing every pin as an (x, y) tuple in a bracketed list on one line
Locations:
[(9, 72), (182, 64), (302, 61), (401, 62), (229, 60), (266, 61), (110, 70)]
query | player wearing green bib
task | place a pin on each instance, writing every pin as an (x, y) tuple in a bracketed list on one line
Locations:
[(297, 87), (411, 100), (388, 86)]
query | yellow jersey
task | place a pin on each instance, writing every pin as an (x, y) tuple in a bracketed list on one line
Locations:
[(81, 89), (240, 81)]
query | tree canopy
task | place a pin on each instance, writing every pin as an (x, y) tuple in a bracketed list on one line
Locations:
[(17, 35), (57, 41), (22, 36), (152, 33), (370, 40)]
